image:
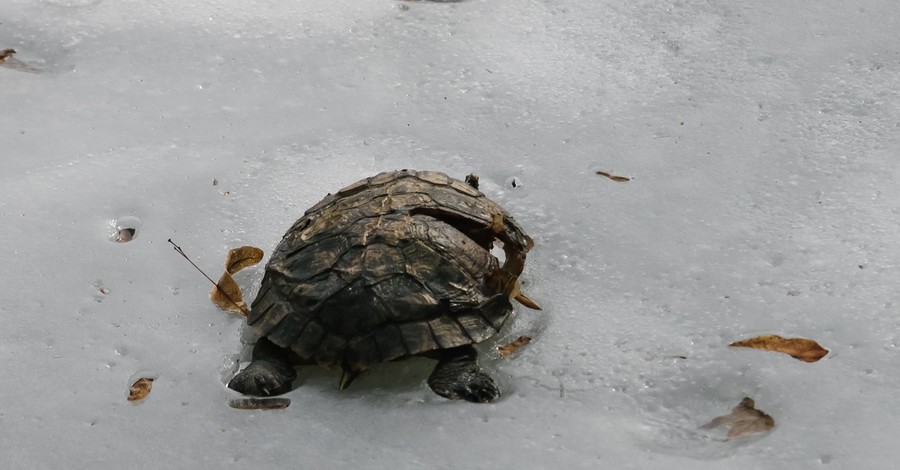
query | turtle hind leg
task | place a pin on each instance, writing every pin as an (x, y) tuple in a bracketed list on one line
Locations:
[(271, 372), (457, 376)]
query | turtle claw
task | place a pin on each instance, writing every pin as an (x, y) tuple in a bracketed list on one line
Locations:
[(347, 377), (478, 387), (459, 377), (264, 379), (526, 301)]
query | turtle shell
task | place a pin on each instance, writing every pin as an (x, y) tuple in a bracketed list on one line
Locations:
[(391, 266)]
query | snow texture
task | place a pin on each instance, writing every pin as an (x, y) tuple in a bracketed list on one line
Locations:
[(762, 142)]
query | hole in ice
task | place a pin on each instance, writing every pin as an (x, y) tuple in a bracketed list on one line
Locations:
[(513, 182), (124, 229), (100, 292)]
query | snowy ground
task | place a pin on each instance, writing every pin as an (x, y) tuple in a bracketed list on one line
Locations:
[(761, 136)]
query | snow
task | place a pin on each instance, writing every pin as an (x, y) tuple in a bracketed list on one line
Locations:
[(761, 137)]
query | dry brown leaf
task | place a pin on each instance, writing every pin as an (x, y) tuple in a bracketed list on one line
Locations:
[(226, 294), (510, 348), (744, 420), (799, 348), (618, 179), (140, 389), (260, 403), (240, 258), (5, 54)]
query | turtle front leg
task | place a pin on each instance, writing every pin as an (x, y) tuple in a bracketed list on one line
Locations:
[(271, 372), (457, 375)]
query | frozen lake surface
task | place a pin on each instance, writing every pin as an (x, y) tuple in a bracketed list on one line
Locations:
[(761, 139)]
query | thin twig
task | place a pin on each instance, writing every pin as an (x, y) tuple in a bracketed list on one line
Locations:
[(181, 252)]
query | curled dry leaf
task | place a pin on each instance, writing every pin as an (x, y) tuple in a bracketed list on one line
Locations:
[(799, 348), (140, 389), (226, 294), (745, 420), (260, 403), (510, 348), (618, 179), (243, 257)]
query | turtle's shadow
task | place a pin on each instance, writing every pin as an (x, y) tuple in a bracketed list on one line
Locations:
[(408, 375), (405, 379)]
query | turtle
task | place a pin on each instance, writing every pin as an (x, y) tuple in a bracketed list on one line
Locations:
[(392, 266)]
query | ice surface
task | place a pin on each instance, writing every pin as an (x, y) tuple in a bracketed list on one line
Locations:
[(761, 138)]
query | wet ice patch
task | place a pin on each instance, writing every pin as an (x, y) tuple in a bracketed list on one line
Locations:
[(37, 49), (72, 3), (680, 404)]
